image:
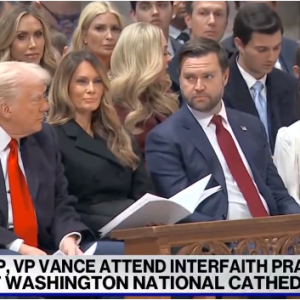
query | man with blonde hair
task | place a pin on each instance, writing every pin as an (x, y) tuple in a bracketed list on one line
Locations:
[(37, 216)]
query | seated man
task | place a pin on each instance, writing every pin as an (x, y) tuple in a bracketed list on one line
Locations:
[(204, 138), (204, 19), (254, 86), (285, 60), (37, 217)]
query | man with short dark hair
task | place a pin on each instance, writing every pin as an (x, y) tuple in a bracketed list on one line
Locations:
[(158, 13), (178, 29), (272, 4), (285, 61), (254, 85), (204, 138)]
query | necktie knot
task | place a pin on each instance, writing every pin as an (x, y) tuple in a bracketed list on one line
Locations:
[(258, 86), (13, 145), (217, 120), (183, 37)]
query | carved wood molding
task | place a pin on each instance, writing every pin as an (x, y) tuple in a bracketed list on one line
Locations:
[(287, 244)]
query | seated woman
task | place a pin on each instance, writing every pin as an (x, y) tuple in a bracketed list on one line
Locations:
[(287, 151), (104, 169), (26, 38), (98, 31), (140, 84)]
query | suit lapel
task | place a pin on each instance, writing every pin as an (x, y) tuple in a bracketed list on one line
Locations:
[(197, 137), (3, 197), (175, 45), (245, 142), (28, 158), (241, 98), (241, 132), (272, 108), (173, 70), (95, 146), (243, 137)]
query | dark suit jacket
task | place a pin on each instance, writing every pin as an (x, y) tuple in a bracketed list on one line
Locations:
[(282, 94), (103, 186), (175, 45), (146, 126), (287, 55), (55, 210), (174, 75), (179, 154)]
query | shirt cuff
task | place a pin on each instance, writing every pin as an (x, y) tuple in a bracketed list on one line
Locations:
[(76, 234), (15, 245)]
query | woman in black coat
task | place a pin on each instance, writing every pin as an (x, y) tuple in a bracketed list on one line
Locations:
[(103, 166)]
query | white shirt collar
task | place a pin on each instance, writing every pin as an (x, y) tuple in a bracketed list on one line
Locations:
[(205, 118), (175, 33), (249, 79), (4, 139)]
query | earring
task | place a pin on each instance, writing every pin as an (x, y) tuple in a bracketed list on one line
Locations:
[(85, 42)]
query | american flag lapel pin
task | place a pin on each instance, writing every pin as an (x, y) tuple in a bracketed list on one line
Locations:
[(244, 128)]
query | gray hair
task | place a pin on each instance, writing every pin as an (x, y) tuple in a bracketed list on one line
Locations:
[(14, 74)]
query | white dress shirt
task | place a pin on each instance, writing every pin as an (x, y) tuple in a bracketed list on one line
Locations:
[(250, 81), (237, 205), (4, 153), (278, 64), (287, 158)]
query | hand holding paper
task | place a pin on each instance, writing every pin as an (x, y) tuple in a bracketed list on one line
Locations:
[(89, 251), (152, 209)]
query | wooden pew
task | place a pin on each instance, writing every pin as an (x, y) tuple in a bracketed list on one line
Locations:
[(271, 236)]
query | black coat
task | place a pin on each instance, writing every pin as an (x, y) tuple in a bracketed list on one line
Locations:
[(103, 186)]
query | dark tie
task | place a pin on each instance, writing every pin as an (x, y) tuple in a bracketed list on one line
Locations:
[(238, 169), (183, 37)]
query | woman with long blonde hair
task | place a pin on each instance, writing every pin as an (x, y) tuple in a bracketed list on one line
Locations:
[(140, 84), (98, 31), (104, 169), (25, 37)]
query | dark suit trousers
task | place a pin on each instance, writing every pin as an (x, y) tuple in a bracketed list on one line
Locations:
[(8, 252)]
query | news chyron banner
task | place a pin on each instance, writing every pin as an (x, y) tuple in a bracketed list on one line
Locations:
[(149, 275)]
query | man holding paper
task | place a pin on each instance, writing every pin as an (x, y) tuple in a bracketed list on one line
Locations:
[(204, 138)]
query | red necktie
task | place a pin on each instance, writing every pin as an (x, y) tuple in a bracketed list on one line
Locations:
[(238, 169), (24, 219)]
